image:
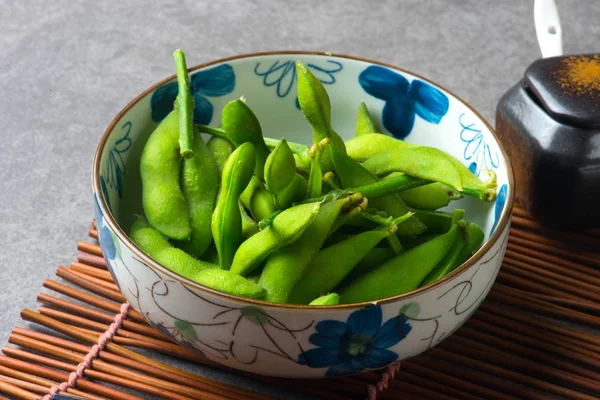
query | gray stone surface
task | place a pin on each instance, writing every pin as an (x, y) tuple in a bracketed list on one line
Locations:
[(68, 66)]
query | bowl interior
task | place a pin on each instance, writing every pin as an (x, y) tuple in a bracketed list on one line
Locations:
[(404, 105)]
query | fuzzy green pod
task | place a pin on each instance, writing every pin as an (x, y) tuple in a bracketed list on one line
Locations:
[(330, 299), (240, 125), (285, 228), (402, 273), (160, 169), (365, 123), (332, 264), (226, 219), (285, 266)]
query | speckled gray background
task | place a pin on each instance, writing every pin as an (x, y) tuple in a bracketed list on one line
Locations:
[(68, 66)]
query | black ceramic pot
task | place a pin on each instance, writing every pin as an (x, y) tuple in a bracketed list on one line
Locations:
[(549, 123)]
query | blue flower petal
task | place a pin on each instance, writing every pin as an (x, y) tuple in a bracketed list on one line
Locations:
[(378, 358), (348, 367), (500, 201), (331, 327), (392, 332), (382, 83), (217, 81), (325, 340), (366, 320), (431, 104), (162, 101), (399, 116), (319, 358), (473, 167), (203, 110)]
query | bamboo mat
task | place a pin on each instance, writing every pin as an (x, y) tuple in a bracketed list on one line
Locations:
[(534, 337)]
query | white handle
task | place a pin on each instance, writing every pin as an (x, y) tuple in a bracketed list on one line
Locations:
[(547, 28)]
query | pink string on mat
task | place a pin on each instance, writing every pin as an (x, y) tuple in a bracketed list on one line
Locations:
[(103, 340), (383, 382)]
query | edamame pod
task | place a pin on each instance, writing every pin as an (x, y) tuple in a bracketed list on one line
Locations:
[(220, 149), (241, 126), (365, 124), (249, 226), (285, 266), (199, 183), (226, 219), (301, 155), (294, 192), (160, 168), (448, 263), (402, 273), (396, 182), (228, 282), (258, 200), (474, 239), (330, 299), (352, 175), (366, 146), (286, 228), (315, 105), (421, 162), (156, 246), (473, 186), (429, 197), (332, 264)]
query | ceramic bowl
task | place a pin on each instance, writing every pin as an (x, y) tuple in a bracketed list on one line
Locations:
[(287, 340)]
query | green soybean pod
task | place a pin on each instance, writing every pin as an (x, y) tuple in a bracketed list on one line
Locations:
[(200, 184), (429, 197), (160, 168), (474, 238), (226, 219), (420, 162), (220, 149), (352, 175), (280, 168), (301, 155), (258, 200), (286, 228), (402, 273), (249, 226), (241, 126), (366, 146), (396, 182), (365, 124), (472, 185), (293, 193), (156, 246), (228, 282), (285, 267), (332, 264), (448, 263), (330, 299)]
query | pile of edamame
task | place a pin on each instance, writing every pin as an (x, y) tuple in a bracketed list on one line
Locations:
[(337, 222)]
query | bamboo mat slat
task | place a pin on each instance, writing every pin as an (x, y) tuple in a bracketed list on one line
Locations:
[(534, 337)]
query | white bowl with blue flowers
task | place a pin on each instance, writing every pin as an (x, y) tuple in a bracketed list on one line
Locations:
[(289, 340)]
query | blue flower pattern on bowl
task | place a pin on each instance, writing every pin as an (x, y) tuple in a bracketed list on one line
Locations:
[(499, 206), (282, 75), (214, 82), (114, 170), (403, 100), (361, 343), (477, 150)]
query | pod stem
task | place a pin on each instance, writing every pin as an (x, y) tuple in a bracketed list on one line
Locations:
[(211, 131), (185, 106)]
